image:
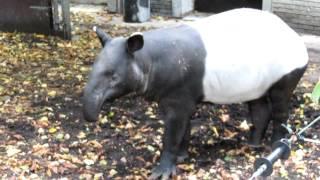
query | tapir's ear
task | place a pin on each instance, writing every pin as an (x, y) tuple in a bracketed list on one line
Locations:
[(135, 42), (103, 37)]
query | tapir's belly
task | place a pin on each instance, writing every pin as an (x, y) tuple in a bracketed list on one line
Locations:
[(247, 52), (239, 83)]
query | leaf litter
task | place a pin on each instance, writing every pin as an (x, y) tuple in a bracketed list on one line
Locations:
[(43, 134)]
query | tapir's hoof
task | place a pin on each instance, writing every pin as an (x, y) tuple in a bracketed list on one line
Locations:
[(182, 157), (254, 145), (254, 141), (163, 172)]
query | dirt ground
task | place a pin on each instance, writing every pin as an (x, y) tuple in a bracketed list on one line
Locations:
[(44, 136)]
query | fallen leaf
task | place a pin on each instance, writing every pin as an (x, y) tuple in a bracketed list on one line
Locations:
[(112, 172), (12, 150), (81, 135), (53, 130), (88, 162), (244, 126)]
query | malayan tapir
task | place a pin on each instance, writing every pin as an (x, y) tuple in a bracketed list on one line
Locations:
[(241, 55)]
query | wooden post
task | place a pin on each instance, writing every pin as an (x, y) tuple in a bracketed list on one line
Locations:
[(61, 18), (66, 19), (55, 15)]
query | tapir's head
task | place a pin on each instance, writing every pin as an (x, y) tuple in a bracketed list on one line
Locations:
[(115, 72)]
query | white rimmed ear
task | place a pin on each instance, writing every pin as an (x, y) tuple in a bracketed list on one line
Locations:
[(135, 42), (103, 37)]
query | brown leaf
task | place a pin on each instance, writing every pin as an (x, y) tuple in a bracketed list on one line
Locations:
[(95, 144), (40, 150), (69, 165), (18, 137), (229, 134)]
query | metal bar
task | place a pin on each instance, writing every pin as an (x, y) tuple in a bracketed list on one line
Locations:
[(258, 172), (310, 124), (311, 140), (264, 166)]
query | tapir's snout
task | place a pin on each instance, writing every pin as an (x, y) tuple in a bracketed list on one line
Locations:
[(91, 109), (93, 100), (90, 116)]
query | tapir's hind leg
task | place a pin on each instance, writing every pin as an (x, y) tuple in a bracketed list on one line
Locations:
[(183, 150), (280, 94), (260, 112)]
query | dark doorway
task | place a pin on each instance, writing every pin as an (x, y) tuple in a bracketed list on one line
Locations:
[(217, 6), (26, 15), (36, 16)]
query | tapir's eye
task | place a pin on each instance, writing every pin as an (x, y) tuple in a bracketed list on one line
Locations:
[(109, 73)]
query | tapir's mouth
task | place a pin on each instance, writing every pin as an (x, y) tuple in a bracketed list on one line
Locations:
[(91, 110), (92, 105)]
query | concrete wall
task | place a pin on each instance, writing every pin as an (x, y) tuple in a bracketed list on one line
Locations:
[(115, 6), (175, 8), (302, 15), (181, 7), (89, 1), (161, 7)]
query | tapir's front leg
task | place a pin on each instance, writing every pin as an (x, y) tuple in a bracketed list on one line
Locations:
[(177, 116)]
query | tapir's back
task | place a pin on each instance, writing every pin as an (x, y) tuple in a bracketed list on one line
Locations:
[(247, 51)]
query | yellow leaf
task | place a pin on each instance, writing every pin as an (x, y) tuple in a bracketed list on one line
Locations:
[(48, 172), (19, 109), (61, 45), (112, 172), (150, 148), (84, 69), (43, 121), (52, 130), (98, 176), (52, 93), (103, 120), (152, 116), (214, 129), (103, 163), (26, 82), (210, 141), (79, 77), (44, 118), (244, 126), (81, 135), (39, 36), (186, 167)]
